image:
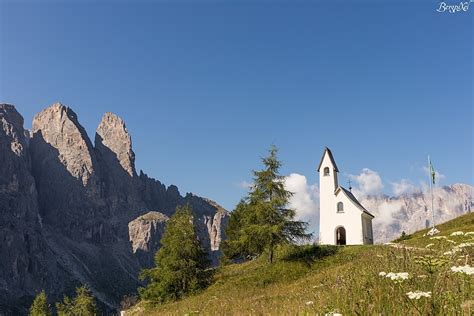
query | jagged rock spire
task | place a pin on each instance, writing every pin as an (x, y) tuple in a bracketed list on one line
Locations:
[(58, 128), (112, 136)]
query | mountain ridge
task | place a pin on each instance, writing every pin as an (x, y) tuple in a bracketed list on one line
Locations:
[(66, 207), (410, 211)]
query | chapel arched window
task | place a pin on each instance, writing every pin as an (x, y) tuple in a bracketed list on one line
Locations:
[(326, 171), (340, 207)]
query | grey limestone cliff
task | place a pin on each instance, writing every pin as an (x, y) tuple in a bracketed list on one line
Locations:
[(75, 213), (145, 234)]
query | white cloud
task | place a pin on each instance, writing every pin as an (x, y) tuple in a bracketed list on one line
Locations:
[(305, 200), (386, 212), (244, 185), (368, 183), (403, 187)]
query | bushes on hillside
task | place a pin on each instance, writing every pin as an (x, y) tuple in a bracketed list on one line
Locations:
[(403, 236)]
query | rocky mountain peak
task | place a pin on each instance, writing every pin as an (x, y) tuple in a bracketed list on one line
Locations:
[(12, 127), (410, 211), (57, 132), (114, 142), (75, 214), (14, 158), (8, 113)]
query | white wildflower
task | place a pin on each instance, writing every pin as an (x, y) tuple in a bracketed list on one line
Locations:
[(382, 273), (429, 245), (467, 269), (309, 303), (458, 248), (453, 251), (438, 237), (459, 233), (418, 294), (432, 232), (469, 233), (423, 276), (397, 277), (451, 241)]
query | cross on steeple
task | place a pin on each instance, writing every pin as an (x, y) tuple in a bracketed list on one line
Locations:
[(350, 187)]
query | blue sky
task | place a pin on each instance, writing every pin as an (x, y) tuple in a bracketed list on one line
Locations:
[(206, 87)]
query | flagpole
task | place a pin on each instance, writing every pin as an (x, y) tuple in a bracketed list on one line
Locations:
[(431, 191)]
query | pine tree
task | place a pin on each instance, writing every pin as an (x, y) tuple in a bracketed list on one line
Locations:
[(40, 306), (66, 307), (82, 305), (181, 262), (263, 220)]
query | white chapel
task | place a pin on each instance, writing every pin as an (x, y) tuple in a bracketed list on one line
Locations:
[(342, 219)]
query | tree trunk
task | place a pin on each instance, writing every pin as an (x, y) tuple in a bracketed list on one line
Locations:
[(270, 255)]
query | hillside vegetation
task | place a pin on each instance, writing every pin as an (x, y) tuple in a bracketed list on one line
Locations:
[(348, 280)]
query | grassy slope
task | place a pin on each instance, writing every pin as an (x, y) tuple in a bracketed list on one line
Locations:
[(463, 223), (347, 282)]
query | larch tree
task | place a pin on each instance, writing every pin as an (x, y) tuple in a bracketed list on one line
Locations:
[(83, 304), (263, 220), (40, 306), (181, 264)]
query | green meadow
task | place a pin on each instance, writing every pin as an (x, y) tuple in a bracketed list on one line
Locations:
[(420, 275)]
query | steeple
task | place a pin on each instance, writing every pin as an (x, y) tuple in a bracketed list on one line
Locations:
[(329, 153), (328, 171)]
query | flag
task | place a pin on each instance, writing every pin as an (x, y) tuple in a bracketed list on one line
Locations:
[(432, 173)]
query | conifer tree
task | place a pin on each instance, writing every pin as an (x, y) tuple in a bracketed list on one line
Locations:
[(83, 304), (66, 307), (181, 262), (263, 220), (40, 306)]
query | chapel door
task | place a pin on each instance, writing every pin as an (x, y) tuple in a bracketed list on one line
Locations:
[(340, 236)]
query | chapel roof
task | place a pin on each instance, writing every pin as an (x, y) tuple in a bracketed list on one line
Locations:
[(353, 199), (330, 157)]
